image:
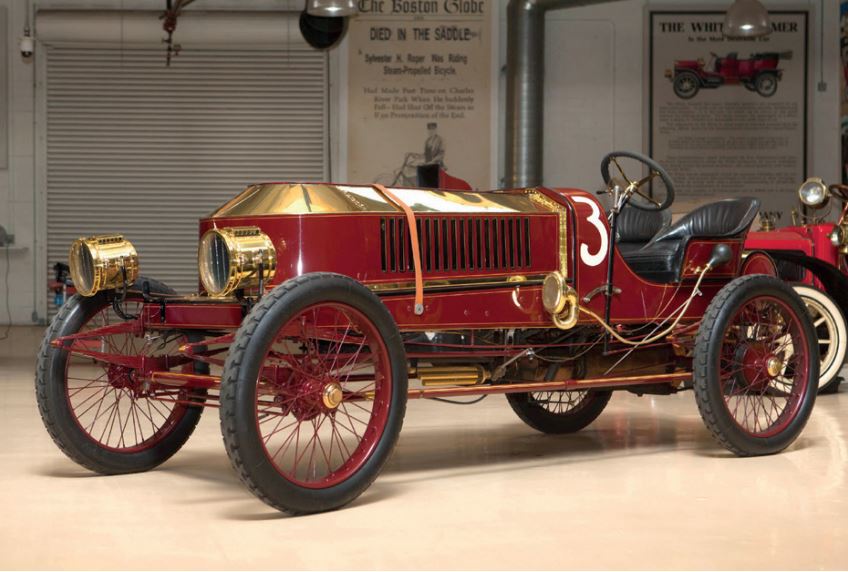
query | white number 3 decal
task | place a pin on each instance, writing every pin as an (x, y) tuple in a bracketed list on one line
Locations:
[(595, 220)]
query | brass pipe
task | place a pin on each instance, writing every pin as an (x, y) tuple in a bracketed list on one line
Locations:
[(568, 384), (449, 375)]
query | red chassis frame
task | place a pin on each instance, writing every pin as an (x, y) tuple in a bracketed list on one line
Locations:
[(506, 294)]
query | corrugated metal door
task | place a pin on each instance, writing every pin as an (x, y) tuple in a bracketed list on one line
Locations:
[(145, 150)]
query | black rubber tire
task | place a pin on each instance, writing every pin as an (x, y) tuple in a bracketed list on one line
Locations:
[(761, 85), (708, 342), (241, 370), (686, 76), (540, 419), (54, 407)]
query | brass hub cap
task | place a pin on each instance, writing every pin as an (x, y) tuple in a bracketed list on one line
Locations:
[(774, 366), (332, 395)]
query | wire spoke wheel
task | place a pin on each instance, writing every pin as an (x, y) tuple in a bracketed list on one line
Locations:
[(109, 402), (560, 402), (558, 411), (762, 377), (313, 393), (323, 395), (755, 366), (100, 410)]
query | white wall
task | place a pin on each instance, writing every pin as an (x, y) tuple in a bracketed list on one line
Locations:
[(594, 104)]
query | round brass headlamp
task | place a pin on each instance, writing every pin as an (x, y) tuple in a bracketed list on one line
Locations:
[(230, 258), (102, 262), (554, 291), (813, 193)]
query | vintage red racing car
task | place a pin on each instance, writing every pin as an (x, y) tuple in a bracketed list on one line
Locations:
[(325, 307)]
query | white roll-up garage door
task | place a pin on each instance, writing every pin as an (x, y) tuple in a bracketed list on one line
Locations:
[(145, 150)]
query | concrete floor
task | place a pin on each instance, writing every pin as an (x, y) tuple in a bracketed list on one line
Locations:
[(468, 487)]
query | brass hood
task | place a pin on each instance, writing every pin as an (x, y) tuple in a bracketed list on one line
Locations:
[(321, 198)]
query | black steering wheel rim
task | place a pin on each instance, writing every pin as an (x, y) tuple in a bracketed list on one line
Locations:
[(652, 166)]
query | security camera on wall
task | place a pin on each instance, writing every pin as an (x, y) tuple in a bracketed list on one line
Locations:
[(27, 44)]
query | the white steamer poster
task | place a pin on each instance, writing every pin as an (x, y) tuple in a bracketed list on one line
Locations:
[(419, 90), (729, 117)]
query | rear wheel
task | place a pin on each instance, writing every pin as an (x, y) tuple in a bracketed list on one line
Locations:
[(756, 366), (559, 411), (313, 393), (831, 332), (99, 414), (766, 84)]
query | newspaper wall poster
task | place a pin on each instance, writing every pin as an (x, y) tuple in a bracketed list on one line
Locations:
[(728, 117), (419, 90)]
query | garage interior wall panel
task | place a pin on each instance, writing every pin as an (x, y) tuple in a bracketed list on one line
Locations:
[(143, 149)]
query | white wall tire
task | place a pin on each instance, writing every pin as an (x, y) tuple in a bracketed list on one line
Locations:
[(832, 331)]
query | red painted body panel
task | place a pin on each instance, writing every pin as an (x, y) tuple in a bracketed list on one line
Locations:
[(812, 240), (350, 244)]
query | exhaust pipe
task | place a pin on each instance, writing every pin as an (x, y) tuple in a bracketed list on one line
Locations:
[(525, 87)]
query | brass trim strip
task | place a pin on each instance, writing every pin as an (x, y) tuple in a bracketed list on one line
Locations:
[(514, 280), (562, 215)]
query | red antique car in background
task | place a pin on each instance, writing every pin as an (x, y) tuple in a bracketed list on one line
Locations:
[(326, 307), (757, 73), (811, 255)]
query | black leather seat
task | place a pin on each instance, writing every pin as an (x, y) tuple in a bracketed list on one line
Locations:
[(661, 258), (637, 227)]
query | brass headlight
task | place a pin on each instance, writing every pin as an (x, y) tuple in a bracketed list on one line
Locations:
[(229, 259), (813, 193), (102, 262), (560, 300), (553, 293)]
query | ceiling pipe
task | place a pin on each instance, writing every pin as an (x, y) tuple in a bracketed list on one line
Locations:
[(525, 87)]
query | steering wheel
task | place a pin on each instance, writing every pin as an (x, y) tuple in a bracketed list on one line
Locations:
[(839, 191), (635, 187)]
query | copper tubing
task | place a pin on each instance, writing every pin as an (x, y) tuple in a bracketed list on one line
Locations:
[(213, 382)]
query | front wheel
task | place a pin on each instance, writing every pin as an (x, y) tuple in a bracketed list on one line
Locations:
[(313, 393), (756, 366), (831, 333), (101, 414), (686, 85)]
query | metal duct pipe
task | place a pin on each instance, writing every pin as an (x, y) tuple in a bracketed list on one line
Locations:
[(525, 87)]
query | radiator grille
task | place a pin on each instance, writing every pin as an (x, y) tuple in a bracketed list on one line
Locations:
[(456, 244)]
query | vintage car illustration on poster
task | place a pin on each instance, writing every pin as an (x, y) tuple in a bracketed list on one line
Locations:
[(325, 307), (810, 253), (759, 73)]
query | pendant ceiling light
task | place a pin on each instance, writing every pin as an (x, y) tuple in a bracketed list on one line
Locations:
[(331, 8), (746, 19)]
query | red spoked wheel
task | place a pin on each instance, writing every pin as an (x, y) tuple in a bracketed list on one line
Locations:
[(313, 393), (323, 398), (756, 366), (559, 411), (103, 414)]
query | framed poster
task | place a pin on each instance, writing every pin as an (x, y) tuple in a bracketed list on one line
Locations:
[(419, 91), (728, 118)]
